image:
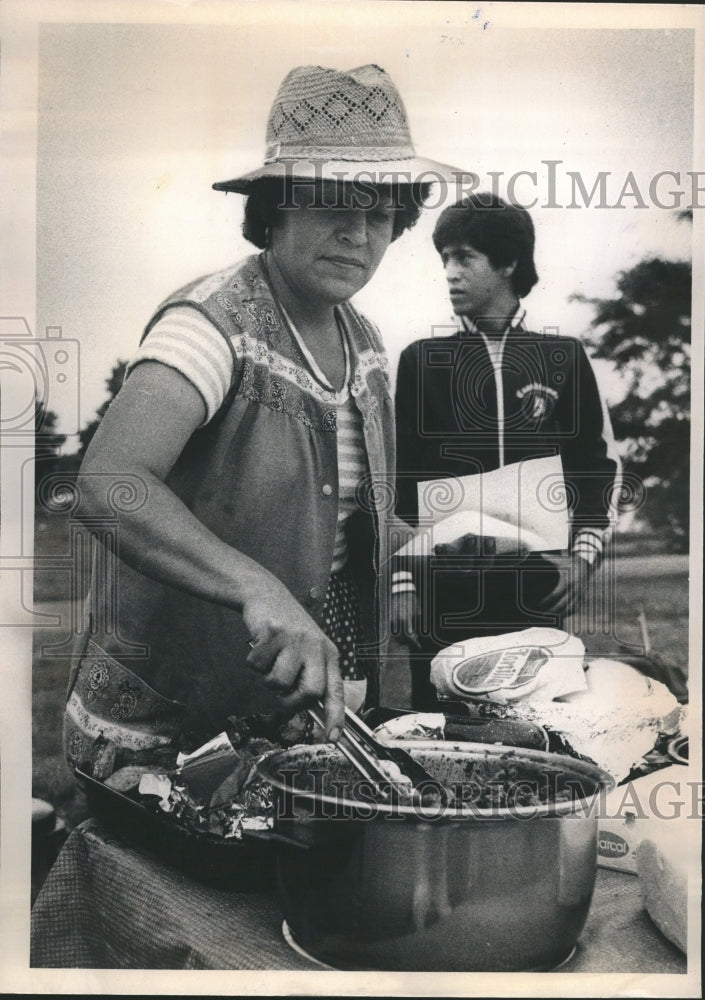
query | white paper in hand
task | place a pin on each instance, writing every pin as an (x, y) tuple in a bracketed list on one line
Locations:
[(530, 496)]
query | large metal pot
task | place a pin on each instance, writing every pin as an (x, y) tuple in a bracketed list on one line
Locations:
[(383, 886)]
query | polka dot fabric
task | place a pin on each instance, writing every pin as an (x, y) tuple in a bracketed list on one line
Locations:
[(341, 622)]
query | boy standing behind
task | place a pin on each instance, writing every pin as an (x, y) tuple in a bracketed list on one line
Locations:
[(489, 395)]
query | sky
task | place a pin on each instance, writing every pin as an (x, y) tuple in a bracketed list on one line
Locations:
[(136, 121)]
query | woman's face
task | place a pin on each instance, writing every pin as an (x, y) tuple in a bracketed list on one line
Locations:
[(330, 244)]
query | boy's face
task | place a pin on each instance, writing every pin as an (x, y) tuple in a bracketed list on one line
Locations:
[(477, 289)]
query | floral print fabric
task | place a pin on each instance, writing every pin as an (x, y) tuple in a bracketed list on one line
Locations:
[(107, 699)]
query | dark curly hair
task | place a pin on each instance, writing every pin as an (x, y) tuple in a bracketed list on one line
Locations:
[(502, 231), (270, 197)]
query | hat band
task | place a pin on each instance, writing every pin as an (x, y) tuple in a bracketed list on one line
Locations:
[(275, 153)]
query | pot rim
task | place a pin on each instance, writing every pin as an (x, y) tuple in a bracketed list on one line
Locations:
[(583, 768)]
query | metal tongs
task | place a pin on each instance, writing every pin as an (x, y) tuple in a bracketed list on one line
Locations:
[(368, 755)]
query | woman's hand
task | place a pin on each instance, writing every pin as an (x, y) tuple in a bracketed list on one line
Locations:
[(294, 657)]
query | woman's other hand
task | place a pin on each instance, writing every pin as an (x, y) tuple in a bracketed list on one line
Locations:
[(296, 660)]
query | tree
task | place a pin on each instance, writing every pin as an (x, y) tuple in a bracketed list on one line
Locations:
[(113, 384), (47, 446), (645, 332)]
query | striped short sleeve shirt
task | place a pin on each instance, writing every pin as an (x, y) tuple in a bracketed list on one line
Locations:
[(185, 340), (352, 465)]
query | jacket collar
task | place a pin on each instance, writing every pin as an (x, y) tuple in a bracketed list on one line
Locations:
[(514, 324)]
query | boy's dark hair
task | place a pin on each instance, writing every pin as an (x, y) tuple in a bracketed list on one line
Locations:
[(502, 231), (270, 196)]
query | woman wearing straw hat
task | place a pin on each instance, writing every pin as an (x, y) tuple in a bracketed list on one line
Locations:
[(255, 420)]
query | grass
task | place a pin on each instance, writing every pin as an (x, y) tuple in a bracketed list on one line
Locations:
[(664, 601), (52, 778), (643, 582)]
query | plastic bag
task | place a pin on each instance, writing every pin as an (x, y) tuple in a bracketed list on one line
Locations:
[(536, 663)]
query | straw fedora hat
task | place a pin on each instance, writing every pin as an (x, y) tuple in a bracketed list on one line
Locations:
[(334, 125)]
